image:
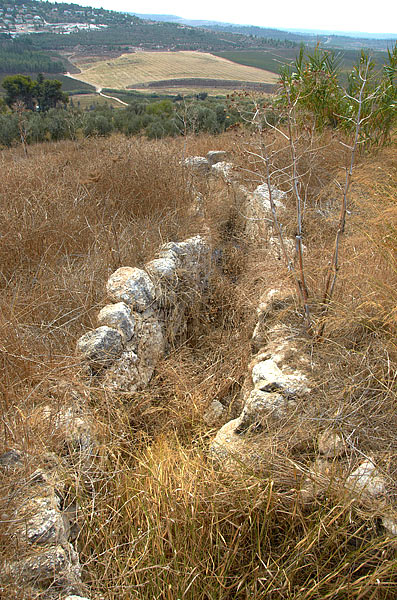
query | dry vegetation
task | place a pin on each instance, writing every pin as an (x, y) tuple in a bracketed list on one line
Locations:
[(130, 70), (160, 521)]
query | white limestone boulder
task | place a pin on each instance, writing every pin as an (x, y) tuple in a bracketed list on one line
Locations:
[(214, 413), (261, 407), (118, 316), (268, 377), (100, 347), (216, 156), (133, 287), (367, 480), (197, 164), (223, 169)]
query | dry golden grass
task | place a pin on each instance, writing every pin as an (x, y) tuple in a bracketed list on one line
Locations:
[(129, 70), (160, 521)]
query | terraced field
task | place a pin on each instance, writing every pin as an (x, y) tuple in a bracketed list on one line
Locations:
[(137, 70)]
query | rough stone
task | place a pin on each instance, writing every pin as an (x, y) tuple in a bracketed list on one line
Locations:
[(197, 164), (57, 565), (132, 286), (330, 444), (261, 195), (101, 346), (257, 210), (261, 407), (216, 156), (268, 377), (41, 522), (11, 459), (123, 375), (223, 169), (136, 366), (214, 413), (163, 271), (234, 450), (390, 525), (118, 316), (367, 480)]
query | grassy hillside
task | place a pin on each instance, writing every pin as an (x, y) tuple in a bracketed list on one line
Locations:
[(273, 58), (158, 518), (137, 69)]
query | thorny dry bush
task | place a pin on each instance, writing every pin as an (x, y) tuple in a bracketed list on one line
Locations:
[(159, 520)]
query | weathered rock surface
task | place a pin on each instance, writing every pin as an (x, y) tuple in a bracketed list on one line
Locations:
[(118, 316), (56, 566), (214, 413), (148, 314), (223, 169), (11, 459), (367, 480), (268, 377), (216, 156), (261, 407), (40, 521), (133, 287), (101, 346), (330, 444), (197, 164)]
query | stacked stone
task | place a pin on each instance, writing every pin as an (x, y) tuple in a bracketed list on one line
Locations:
[(147, 313), (215, 163), (277, 377), (41, 528)]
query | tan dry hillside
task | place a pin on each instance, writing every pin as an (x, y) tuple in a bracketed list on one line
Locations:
[(131, 70)]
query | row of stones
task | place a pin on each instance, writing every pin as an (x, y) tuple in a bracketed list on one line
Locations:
[(279, 375), (147, 312), (43, 531), (146, 315)]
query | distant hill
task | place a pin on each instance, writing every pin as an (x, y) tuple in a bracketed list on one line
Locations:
[(336, 39)]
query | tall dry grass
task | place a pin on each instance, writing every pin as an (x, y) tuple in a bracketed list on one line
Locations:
[(159, 519)]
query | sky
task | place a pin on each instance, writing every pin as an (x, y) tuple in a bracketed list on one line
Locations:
[(337, 15)]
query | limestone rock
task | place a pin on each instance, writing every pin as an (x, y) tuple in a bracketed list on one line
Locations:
[(268, 377), (261, 407), (214, 413), (101, 346), (41, 522), (123, 375), (289, 246), (118, 316), (233, 450), (257, 209), (367, 480), (389, 523), (76, 428), (57, 565), (137, 363), (273, 301), (330, 444), (197, 164), (133, 287), (262, 197), (223, 169), (216, 156), (162, 271), (11, 459)]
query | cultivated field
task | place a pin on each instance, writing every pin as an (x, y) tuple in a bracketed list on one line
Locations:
[(141, 68)]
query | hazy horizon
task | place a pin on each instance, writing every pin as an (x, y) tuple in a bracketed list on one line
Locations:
[(343, 18)]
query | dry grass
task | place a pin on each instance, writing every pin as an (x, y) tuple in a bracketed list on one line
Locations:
[(129, 70), (160, 521)]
